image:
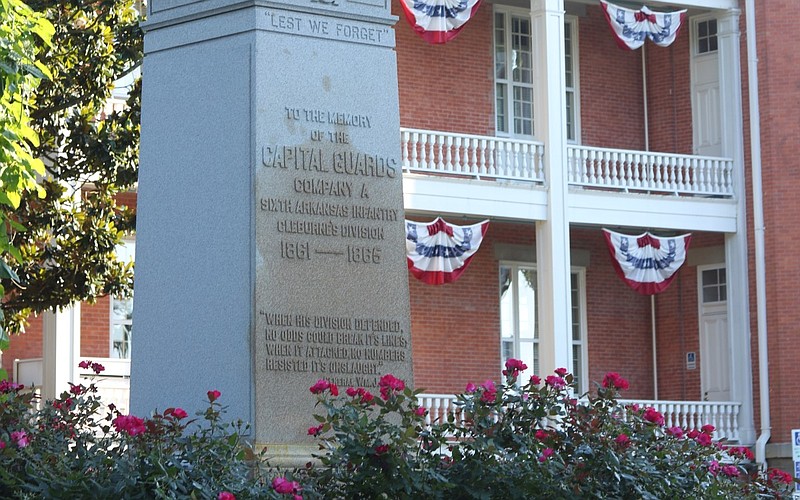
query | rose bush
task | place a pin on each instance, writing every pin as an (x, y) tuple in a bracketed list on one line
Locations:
[(534, 441), (505, 440)]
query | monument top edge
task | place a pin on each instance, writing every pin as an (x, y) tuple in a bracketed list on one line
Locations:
[(164, 13)]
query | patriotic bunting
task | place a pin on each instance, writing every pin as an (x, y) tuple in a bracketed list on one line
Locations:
[(647, 263), (631, 27), (438, 21), (439, 252)]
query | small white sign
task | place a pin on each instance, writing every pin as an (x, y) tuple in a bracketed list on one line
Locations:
[(796, 445), (691, 361)]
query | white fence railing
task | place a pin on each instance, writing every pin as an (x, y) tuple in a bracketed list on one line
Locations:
[(113, 384), (642, 171), (724, 415), (479, 157), (473, 156)]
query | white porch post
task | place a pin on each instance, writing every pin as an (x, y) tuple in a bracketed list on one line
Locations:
[(61, 348), (730, 84), (552, 235)]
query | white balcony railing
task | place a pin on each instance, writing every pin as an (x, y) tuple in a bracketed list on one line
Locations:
[(616, 169), (724, 416), (471, 155), (486, 157)]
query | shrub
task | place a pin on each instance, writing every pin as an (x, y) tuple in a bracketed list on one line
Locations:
[(504, 441), (531, 441)]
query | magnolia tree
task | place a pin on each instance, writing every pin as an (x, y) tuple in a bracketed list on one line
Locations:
[(22, 33), (504, 441)]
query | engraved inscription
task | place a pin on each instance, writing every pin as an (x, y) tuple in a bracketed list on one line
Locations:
[(303, 24), (347, 351)]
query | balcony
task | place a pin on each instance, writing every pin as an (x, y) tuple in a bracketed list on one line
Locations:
[(723, 415), (447, 154)]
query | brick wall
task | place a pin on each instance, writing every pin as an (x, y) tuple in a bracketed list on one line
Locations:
[(779, 80)]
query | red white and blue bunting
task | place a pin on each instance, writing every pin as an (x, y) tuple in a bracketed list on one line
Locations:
[(647, 263), (632, 27), (439, 21), (439, 252)]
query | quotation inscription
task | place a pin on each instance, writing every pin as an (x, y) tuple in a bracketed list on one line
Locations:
[(348, 351)]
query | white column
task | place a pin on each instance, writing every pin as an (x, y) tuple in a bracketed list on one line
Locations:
[(736, 263), (552, 235), (61, 348)]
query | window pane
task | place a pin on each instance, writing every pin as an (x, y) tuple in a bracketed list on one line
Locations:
[(121, 341), (712, 27), (506, 304), (500, 93), (570, 100), (723, 293), (710, 277), (527, 307), (722, 277), (703, 45), (577, 368), (710, 294), (528, 356), (712, 44), (702, 29)]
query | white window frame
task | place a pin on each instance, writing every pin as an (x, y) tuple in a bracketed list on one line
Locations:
[(572, 21), (508, 13), (695, 39), (112, 320), (582, 342)]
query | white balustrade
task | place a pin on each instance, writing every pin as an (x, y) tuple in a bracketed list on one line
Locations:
[(723, 415), (659, 173), (471, 155)]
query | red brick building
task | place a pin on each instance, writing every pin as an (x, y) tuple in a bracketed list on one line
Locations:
[(534, 119)]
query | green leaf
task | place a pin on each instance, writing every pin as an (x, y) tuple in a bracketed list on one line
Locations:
[(6, 272)]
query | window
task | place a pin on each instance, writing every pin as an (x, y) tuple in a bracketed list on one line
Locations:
[(513, 74), (714, 285), (519, 321), (122, 311), (707, 36)]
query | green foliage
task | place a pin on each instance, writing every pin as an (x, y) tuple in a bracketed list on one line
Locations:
[(89, 157), (504, 441), (21, 29), (534, 441), (74, 448)]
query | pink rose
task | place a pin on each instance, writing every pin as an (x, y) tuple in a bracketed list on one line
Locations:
[(676, 432), (2, 445), (713, 467), (541, 434), (555, 382), (561, 372), (85, 364), (381, 449), (622, 440), (213, 395), (535, 380), (334, 389), (513, 367), (129, 424), (692, 433), (76, 389), (315, 431), (613, 380), (420, 411), (703, 439), (179, 413), (654, 416), (730, 470), (226, 495), (389, 384), (777, 475), (489, 392), (546, 453), (284, 486), (21, 438), (351, 391), (320, 386), (707, 429), (470, 388)]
